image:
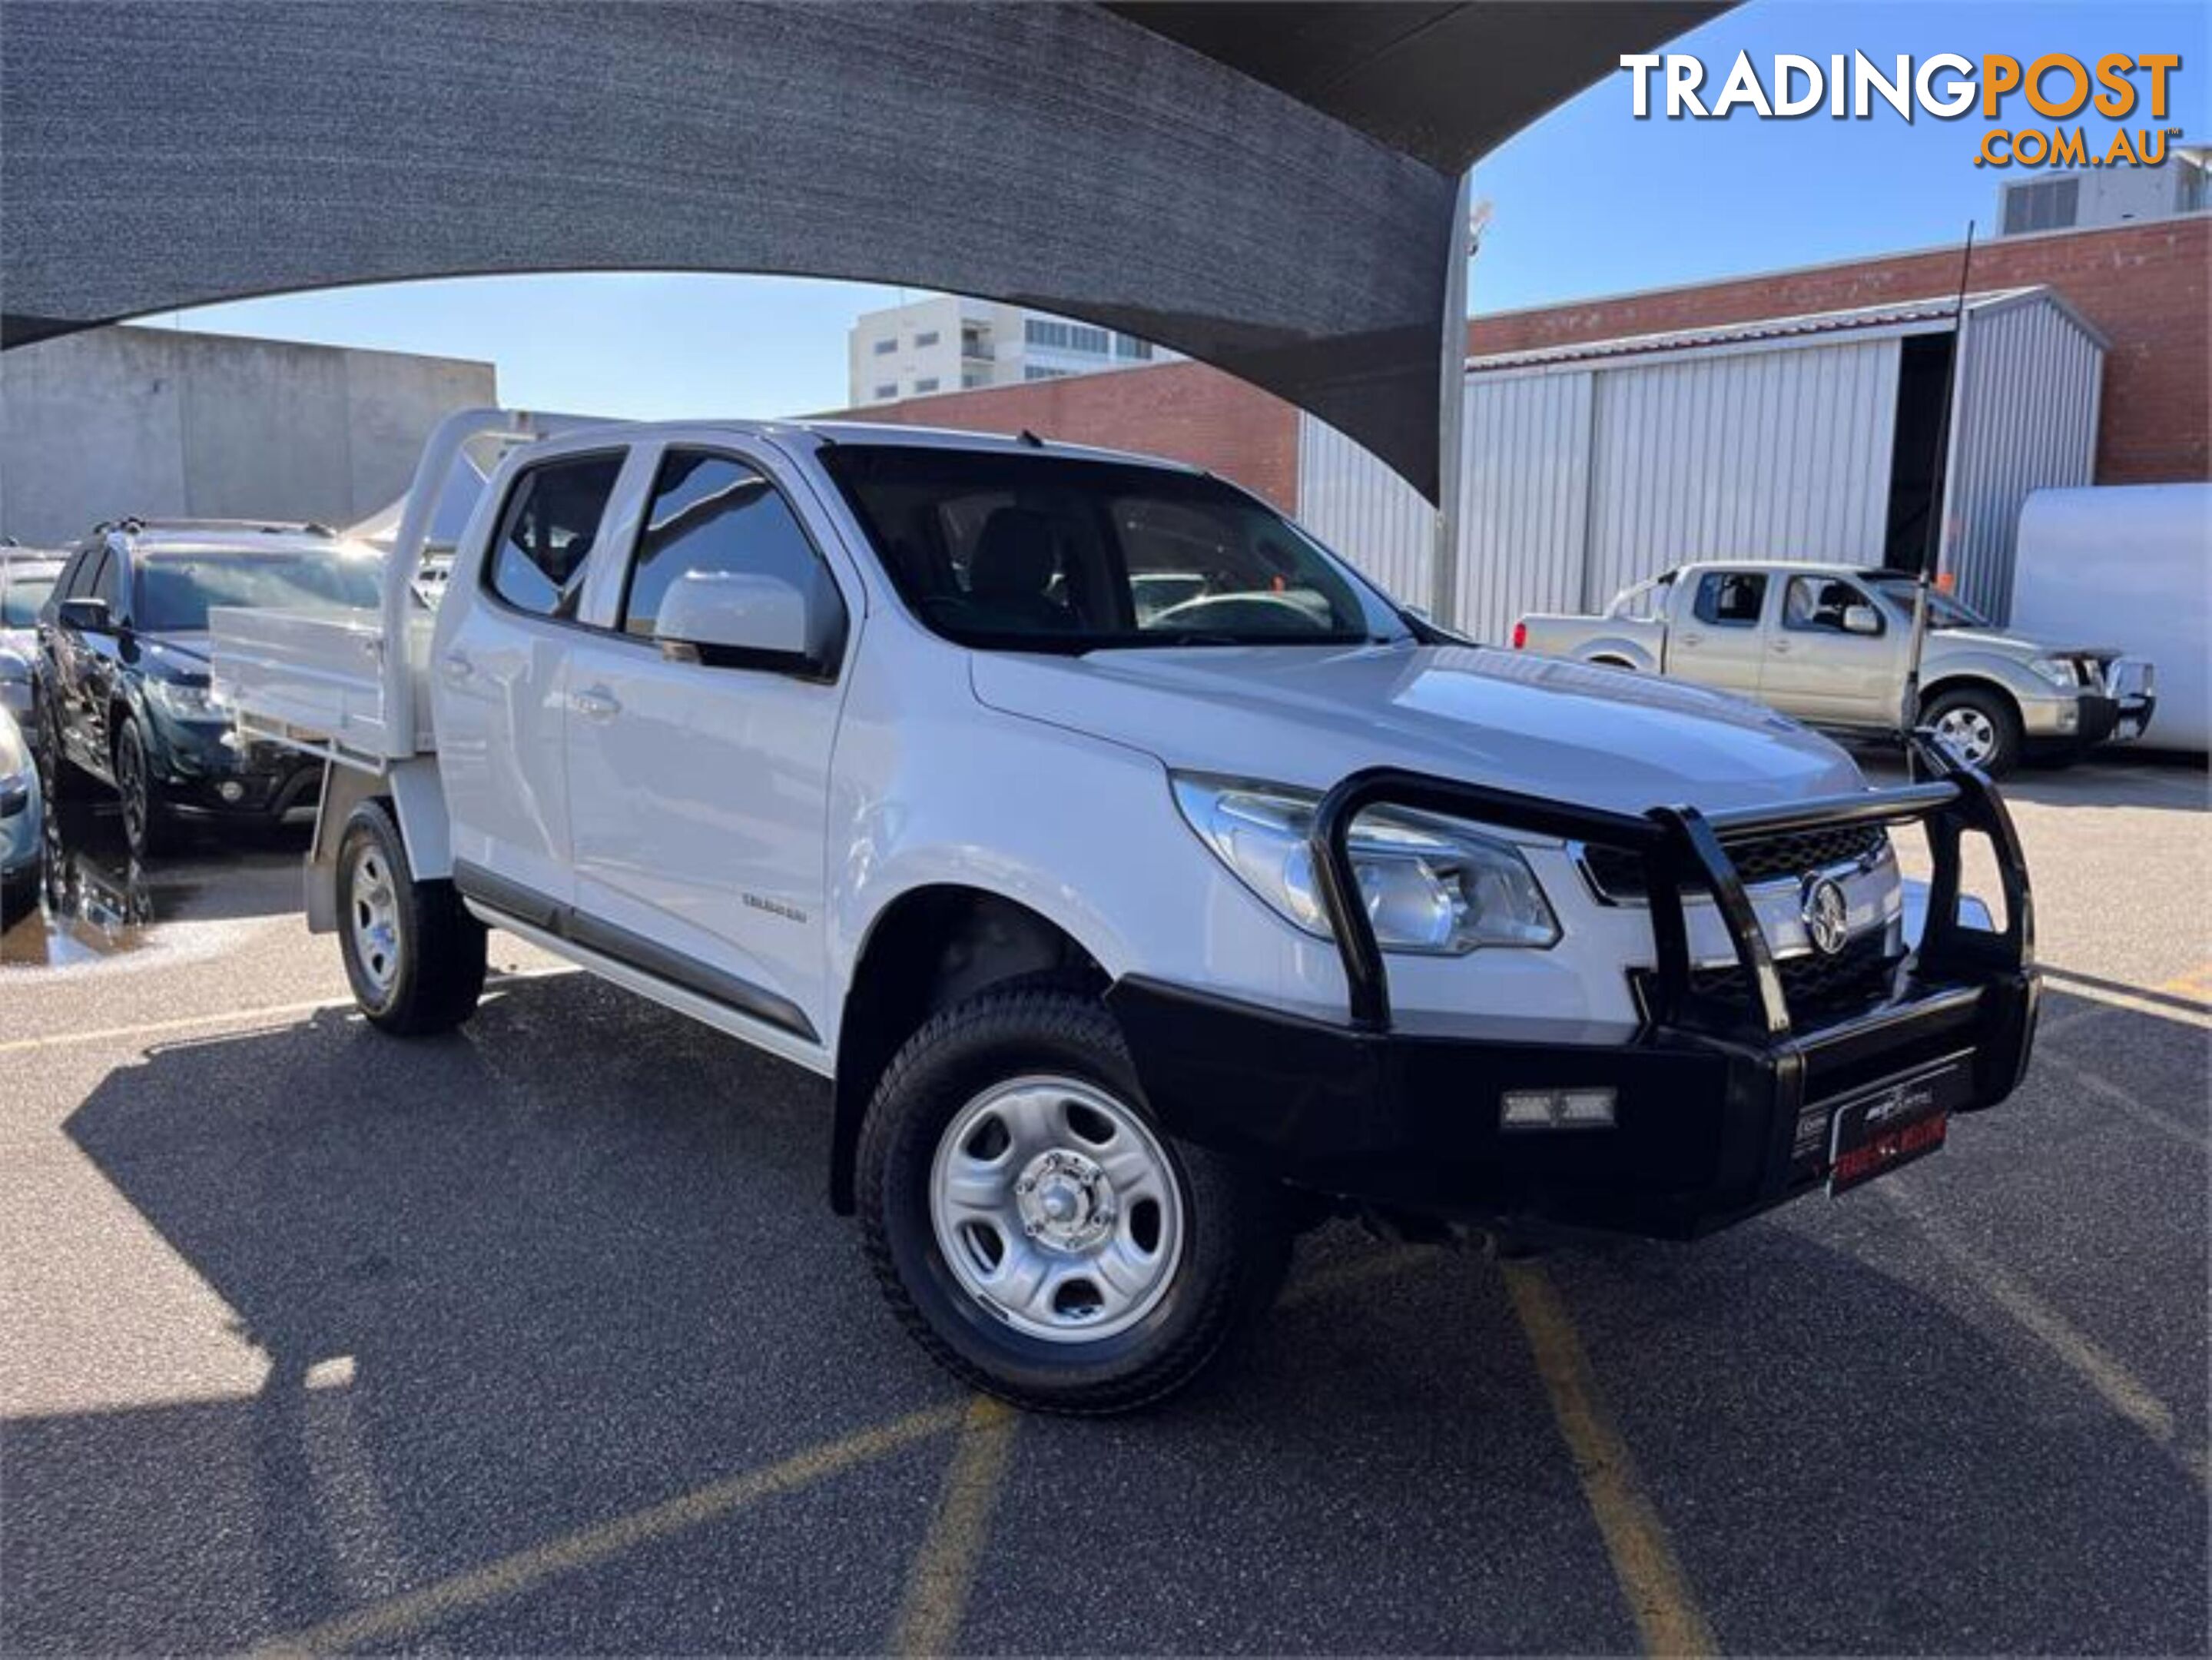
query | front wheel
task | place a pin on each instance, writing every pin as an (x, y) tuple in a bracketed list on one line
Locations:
[(413, 954), (147, 824), (1977, 727), (1034, 1228)]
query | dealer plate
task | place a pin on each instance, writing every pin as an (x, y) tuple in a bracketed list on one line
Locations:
[(1882, 1128)]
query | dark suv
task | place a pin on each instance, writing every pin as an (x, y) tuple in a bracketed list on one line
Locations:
[(122, 666)]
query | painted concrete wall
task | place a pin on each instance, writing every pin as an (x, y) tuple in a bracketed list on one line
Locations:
[(153, 422)]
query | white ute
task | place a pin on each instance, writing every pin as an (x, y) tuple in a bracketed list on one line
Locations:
[(1147, 883)]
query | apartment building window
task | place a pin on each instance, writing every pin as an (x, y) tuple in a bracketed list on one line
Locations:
[(928, 339), (891, 390), (1128, 346), (1066, 337), (927, 383), (970, 379), (1033, 372), (2046, 204), (886, 346)]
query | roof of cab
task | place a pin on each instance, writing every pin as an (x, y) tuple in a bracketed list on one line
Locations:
[(833, 434)]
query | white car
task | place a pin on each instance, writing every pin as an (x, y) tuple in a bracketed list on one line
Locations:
[(1134, 935)]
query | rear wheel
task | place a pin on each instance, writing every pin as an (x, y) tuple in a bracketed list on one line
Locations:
[(1035, 1231), (1977, 726), (413, 954), (58, 778)]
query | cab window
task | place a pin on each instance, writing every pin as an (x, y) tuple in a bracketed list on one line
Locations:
[(546, 536), (1730, 598), (714, 516), (1816, 604)]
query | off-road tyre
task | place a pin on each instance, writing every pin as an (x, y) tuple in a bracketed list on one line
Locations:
[(426, 974), (1237, 1226)]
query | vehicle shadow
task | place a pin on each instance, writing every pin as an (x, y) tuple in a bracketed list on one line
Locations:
[(576, 1260)]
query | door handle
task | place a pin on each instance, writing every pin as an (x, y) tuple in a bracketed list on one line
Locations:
[(455, 667), (1782, 646), (597, 703), (1694, 639)]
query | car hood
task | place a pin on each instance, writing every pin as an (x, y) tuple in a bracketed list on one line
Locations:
[(1307, 717), (2006, 643), (181, 655)]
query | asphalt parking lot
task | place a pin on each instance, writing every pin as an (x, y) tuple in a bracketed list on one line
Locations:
[(542, 1338)]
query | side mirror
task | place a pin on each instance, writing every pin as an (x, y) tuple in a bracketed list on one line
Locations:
[(739, 619), (1862, 619), (85, 616)]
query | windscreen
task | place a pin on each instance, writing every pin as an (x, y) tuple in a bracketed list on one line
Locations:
[(1943, 612), (175, 590), (1042, 552)]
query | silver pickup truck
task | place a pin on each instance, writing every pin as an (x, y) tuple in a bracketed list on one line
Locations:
[(1827, 644)]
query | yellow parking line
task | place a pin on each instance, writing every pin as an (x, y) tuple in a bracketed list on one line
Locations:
[(399, 1616), (229, 1017), (2078, 1352), (2106, 1091), (945, 1568), (1667, 1613), (161, 1028)]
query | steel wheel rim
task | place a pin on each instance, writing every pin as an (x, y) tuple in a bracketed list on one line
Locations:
[(373, 912), (1967, 733), (1056, 1209)]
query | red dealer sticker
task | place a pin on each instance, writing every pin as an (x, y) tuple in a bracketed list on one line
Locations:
[(1893, 1125)]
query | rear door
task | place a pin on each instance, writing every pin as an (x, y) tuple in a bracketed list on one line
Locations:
[(698, 790), (1818, 670), (1713, 635), (499, 669)]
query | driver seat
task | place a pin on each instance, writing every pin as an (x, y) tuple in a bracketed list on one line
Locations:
[(1011, 571)]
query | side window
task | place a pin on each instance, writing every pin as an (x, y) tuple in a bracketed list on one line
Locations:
[(108, 585), (1730, 598), (715, 516), (545, 538), (1817, 603), (76, 581)]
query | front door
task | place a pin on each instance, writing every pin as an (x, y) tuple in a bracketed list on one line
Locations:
[(1714, 636), (1818, 670), (499, 673), (697, 790)]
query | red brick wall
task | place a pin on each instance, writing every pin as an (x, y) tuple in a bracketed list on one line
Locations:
[(2147, 288), (1185, 410)]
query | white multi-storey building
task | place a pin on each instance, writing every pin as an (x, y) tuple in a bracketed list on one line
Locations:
[(2094, 196), (948, 343)]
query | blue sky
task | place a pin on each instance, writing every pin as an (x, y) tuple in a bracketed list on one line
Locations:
[(1588, 201)]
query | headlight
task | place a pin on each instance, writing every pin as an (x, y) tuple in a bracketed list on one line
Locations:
[(1431, 885), (181, 701), (2057, 670)]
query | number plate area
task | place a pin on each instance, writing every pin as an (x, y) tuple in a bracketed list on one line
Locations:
[(1887, 1125)]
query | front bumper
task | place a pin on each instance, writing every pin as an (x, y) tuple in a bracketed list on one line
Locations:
[(1717, 1116), (198, 769)]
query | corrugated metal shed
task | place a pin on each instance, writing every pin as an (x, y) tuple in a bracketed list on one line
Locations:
[(1592, 466)]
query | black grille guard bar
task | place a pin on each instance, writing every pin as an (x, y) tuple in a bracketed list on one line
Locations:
[(1682, 847)]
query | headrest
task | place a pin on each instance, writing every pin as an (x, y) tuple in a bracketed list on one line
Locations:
[(1014, 555)]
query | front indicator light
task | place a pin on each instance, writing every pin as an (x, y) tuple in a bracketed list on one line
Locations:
[(1556, 1109)]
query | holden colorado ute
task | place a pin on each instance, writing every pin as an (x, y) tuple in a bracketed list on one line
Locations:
[(1149, 885), (1828, 645)]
